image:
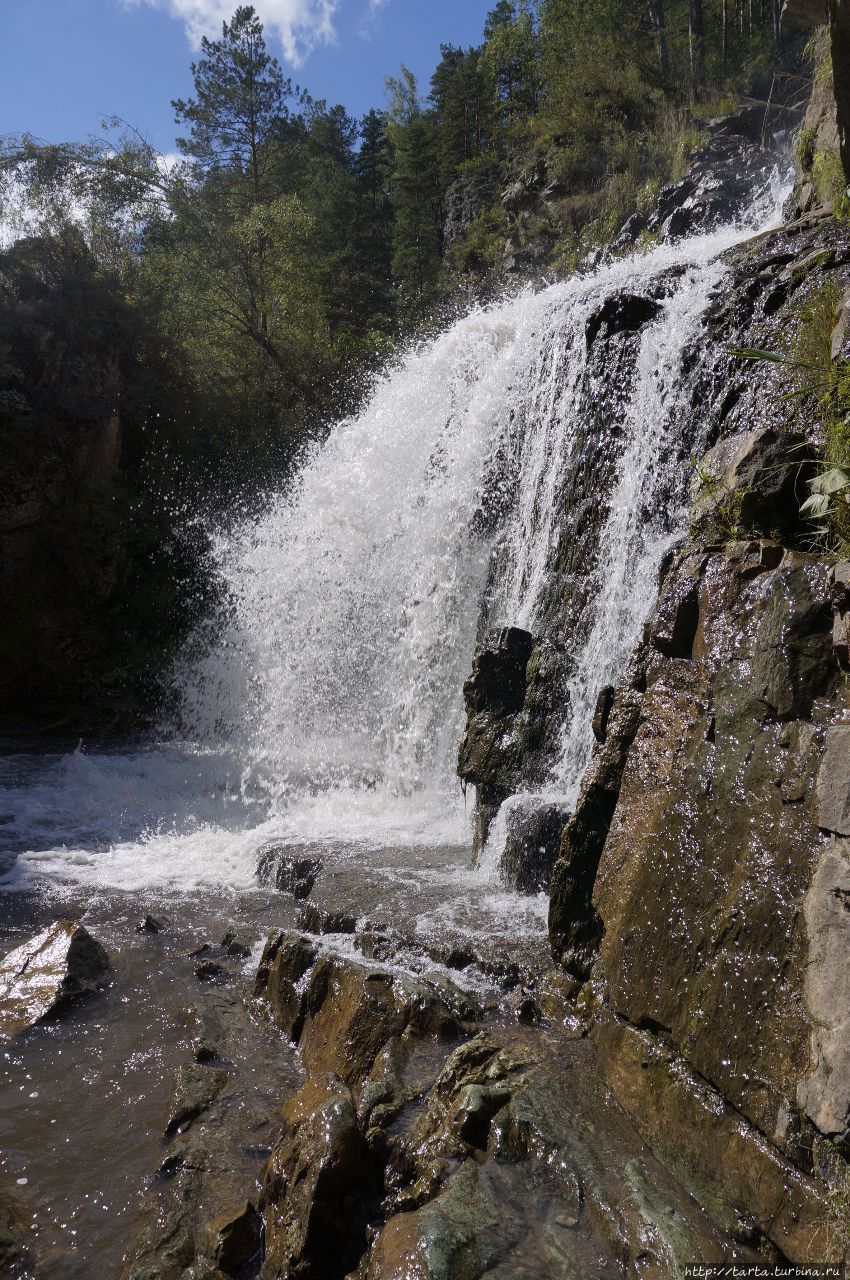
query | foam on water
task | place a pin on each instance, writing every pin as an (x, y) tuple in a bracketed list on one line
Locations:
[(325, 704)]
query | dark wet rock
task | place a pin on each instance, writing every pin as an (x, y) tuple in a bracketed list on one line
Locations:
[(498, 681), (236, 946), (279, 867), (674, 623), (747, 1187), (16, 1258), (150, 924), (624, 311), (212, 971), (376, 944), (513, 701), (164, 1248), (760, 477), (574, 926), (315, 1184), (314, 919), (353, 1011), (46, 974), (210, 1026), (196, 1089), (533, 831), (285, 962), (232, 1239), (602, 710)]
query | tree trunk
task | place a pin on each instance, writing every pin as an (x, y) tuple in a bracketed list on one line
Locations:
[(696, 31), (659, 26)]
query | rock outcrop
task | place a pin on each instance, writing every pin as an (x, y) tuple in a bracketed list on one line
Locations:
[(47, 974), (700, 892)]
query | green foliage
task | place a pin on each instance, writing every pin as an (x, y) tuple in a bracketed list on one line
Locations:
[(829, 180)]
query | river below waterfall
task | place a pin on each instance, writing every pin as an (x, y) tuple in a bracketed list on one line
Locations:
[(322, 709)]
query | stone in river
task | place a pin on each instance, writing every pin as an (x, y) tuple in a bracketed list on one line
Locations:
[(43, 976)]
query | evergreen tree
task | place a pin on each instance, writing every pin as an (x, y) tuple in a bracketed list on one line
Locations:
[(417, 191), (240, 99)]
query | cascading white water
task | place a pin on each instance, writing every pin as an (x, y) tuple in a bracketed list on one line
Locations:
[(355, 598), (330, 687)]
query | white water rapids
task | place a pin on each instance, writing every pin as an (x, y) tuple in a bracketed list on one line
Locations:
[(324, 707)]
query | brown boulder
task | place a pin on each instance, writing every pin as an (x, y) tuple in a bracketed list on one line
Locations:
[(314, 1184)]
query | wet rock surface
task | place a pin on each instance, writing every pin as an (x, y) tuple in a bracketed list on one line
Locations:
[(698, 894), (47, 974), (279, 867)]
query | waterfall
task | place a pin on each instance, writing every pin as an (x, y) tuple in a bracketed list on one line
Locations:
[(527, 467), (354, 599)]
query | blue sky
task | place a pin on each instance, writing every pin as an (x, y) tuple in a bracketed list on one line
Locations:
[(66, 63)]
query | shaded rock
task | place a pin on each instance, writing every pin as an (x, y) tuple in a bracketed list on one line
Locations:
[(533, 832), (285, 961), (313, 919), (196, 1089), (314, 1185), (803, 14), (232, 1239), (236, 946), (150, 924), (832, 788), (280, 868), (760, 476), (624, 311), (46, 974)]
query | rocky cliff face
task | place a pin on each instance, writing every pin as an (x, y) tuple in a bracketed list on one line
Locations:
[(699, 897), (700, 893)]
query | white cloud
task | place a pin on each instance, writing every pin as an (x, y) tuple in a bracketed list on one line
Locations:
[(370, 18), (297, 25)]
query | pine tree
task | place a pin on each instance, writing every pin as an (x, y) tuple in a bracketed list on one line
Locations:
[(240, 100)]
